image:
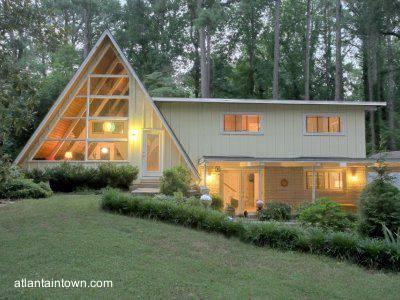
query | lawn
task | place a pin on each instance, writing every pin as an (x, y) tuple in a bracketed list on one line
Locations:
[(69, 237)]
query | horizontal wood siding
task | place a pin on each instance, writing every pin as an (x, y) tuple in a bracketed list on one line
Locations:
[(198, 127)]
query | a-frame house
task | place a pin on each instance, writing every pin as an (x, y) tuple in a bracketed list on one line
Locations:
[(105, 114)]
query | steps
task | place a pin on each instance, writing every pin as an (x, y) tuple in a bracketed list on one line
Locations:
[(146, 187)]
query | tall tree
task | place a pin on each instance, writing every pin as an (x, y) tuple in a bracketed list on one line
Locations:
[(390, 94), (205, 50), (277, 29), (307, 53), (338, 53)]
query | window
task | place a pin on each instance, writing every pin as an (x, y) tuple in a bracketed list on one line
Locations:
[(323, 124), (325, 180), (237, 123)]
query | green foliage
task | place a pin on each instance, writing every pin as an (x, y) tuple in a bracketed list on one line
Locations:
[(217, 203), (363, 251), (275, 211), (230, 210), (37, 175), (118, 176), (326, 214), (21, 188), (68, 177), (391, 237), (379, 204), (176, 179)]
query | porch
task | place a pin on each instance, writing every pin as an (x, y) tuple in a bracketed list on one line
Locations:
[(242, 181)]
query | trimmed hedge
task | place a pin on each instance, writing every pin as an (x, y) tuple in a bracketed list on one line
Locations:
[(68, 177), (371, 253)]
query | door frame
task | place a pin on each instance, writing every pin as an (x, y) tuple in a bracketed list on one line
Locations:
[(160, 133)]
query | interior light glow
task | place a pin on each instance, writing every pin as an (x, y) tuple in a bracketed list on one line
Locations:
[(104, 150), (108, 126), (68, 155)]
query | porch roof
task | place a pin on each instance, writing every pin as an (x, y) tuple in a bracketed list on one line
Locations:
[(283, 159)]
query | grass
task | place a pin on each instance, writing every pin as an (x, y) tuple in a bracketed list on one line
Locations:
[(68, 236)]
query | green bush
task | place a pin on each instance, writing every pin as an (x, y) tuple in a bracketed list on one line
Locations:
[(379, 205), (176, 179), (326, 214), (217, 203), (275, 211), (118, 176), (363, 251), (37, 175), (21, 188), (68, 177)]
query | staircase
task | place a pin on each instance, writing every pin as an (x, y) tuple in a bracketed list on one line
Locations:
[(146, 187)]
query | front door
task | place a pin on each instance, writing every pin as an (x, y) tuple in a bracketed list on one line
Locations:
[(240, 189), (152, 159)]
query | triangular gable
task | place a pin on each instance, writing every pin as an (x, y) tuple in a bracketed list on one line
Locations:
[(83, 68)]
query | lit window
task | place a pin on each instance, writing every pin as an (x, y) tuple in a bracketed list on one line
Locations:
[(242, 123), (323, 124), (325, 180)]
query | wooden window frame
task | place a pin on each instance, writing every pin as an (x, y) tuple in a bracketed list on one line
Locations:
[(324, 189), (261, 125), (326, 115)]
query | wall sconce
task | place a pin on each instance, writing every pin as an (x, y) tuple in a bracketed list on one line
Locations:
[(134, 134), (68, 155), (209, 178)]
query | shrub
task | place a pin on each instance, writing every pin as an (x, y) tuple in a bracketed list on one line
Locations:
[(118, 176), (216, 202), (68, 177), (379, 204), (176, 179), (37, 175), (275, 211), (24, 188), (325, 214), (366, 252)]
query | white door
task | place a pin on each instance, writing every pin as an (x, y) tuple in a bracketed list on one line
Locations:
[(152, 153)]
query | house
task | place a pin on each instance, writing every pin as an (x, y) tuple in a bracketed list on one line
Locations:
[(242, 149)]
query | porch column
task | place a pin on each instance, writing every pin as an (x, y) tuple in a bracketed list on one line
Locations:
[(205, 174), (260, 173), (313, 184)]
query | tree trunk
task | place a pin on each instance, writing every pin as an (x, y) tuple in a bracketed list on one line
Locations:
[(204, 59), (338, 54), (390, 94), (250, 53), (372, 80), (307, 58), (87, 45), (277, 29), (195, 72)]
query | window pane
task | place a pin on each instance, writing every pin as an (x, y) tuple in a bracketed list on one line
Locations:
[(152, 152), (108, 108), (69, 129), (253, 123), (229, 122), (238, 123), (77, 108), (335, 180), (109, 86), (334, 124), (108, 129), (323, 124), (61, 150), (311, 124), (108, 151)]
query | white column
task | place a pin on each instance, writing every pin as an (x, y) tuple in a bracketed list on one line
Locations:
[(260, 172), (313, 184), (205, 174)]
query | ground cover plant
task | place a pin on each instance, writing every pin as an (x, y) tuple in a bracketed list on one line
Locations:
[(371, 253), (275, 211)]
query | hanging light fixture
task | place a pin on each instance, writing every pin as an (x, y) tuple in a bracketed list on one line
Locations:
[(68, 155), (108, 126), (104, 150)]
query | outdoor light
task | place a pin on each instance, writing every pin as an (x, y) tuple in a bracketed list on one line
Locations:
[(209, 178), (108, 126), (134, 134), (354, 178), (68, 155), (104, 150), (206, 199)]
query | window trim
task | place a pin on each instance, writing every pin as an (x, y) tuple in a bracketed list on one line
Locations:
[(262, 124), (342, 172), (342, 123)]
